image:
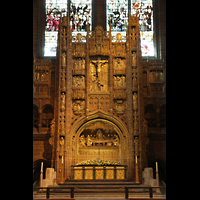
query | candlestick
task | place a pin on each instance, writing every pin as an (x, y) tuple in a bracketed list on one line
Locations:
[(41, 166), (136, 159), (157, 179)]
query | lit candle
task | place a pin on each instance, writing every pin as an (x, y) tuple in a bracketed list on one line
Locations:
[(62, 159), (41, 166), (156, 166), (136, 159)]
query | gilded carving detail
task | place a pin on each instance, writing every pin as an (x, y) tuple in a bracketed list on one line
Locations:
[(98, 75), (110, 173), (119, 81), (78, 94), (99, 42), (79, 67), (99, 173), (78, 107), (119, 94), (119, 107), (88, 172), (119, 50), (99, 138), (119, 66), (78, 173), (120, 173)]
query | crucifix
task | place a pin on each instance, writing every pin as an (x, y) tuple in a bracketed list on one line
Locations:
[(98, 64)]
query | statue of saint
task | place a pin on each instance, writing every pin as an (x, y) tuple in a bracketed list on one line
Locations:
[(61, 145), (135, 101), (134, 59), (64, 58), (52, 130)]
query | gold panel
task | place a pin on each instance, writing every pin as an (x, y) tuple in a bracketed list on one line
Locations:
[(88, 172), (78, 173), (120, 172), (99, 173), (109, 172)]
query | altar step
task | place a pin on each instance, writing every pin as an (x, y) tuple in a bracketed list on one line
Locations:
[(98, 182)]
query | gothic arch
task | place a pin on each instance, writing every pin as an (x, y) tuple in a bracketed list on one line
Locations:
[(46, 106), (114, 121)]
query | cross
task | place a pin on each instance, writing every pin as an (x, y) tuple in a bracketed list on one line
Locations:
[(98, 65)]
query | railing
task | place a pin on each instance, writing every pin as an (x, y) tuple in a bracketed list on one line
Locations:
[(99, 187)]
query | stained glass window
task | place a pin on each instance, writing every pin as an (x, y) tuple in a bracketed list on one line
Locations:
[(117, 13), (144, 11), (54, 10), (80, 15)]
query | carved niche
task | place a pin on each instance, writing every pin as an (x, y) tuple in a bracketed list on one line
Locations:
[(98, 73), (79, 46), (41, 78), (119, 79), (79, 67), (119, 66), (99, 42), (118, 46), (78, 79), (156, 75), (119, 107), (78, 107)]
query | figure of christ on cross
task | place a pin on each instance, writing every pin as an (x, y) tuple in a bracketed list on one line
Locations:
[(98, 65)]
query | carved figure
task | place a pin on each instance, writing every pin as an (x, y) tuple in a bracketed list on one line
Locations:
[(134, 59), (135, 102), (99, 75), (82, 141), (99, 134), (64, 58), (116, 141), (52, 130), (62, 141), (109, 144), (61, 145), (89, 141)]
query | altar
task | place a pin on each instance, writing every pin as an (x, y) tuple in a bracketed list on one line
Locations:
[(90, 172)]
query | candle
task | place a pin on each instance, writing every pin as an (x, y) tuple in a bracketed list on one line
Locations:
[(156, 166), (41, 166), (136, 159), (62, 159)]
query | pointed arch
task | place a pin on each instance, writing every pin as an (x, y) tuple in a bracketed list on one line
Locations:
[(115, 122)]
